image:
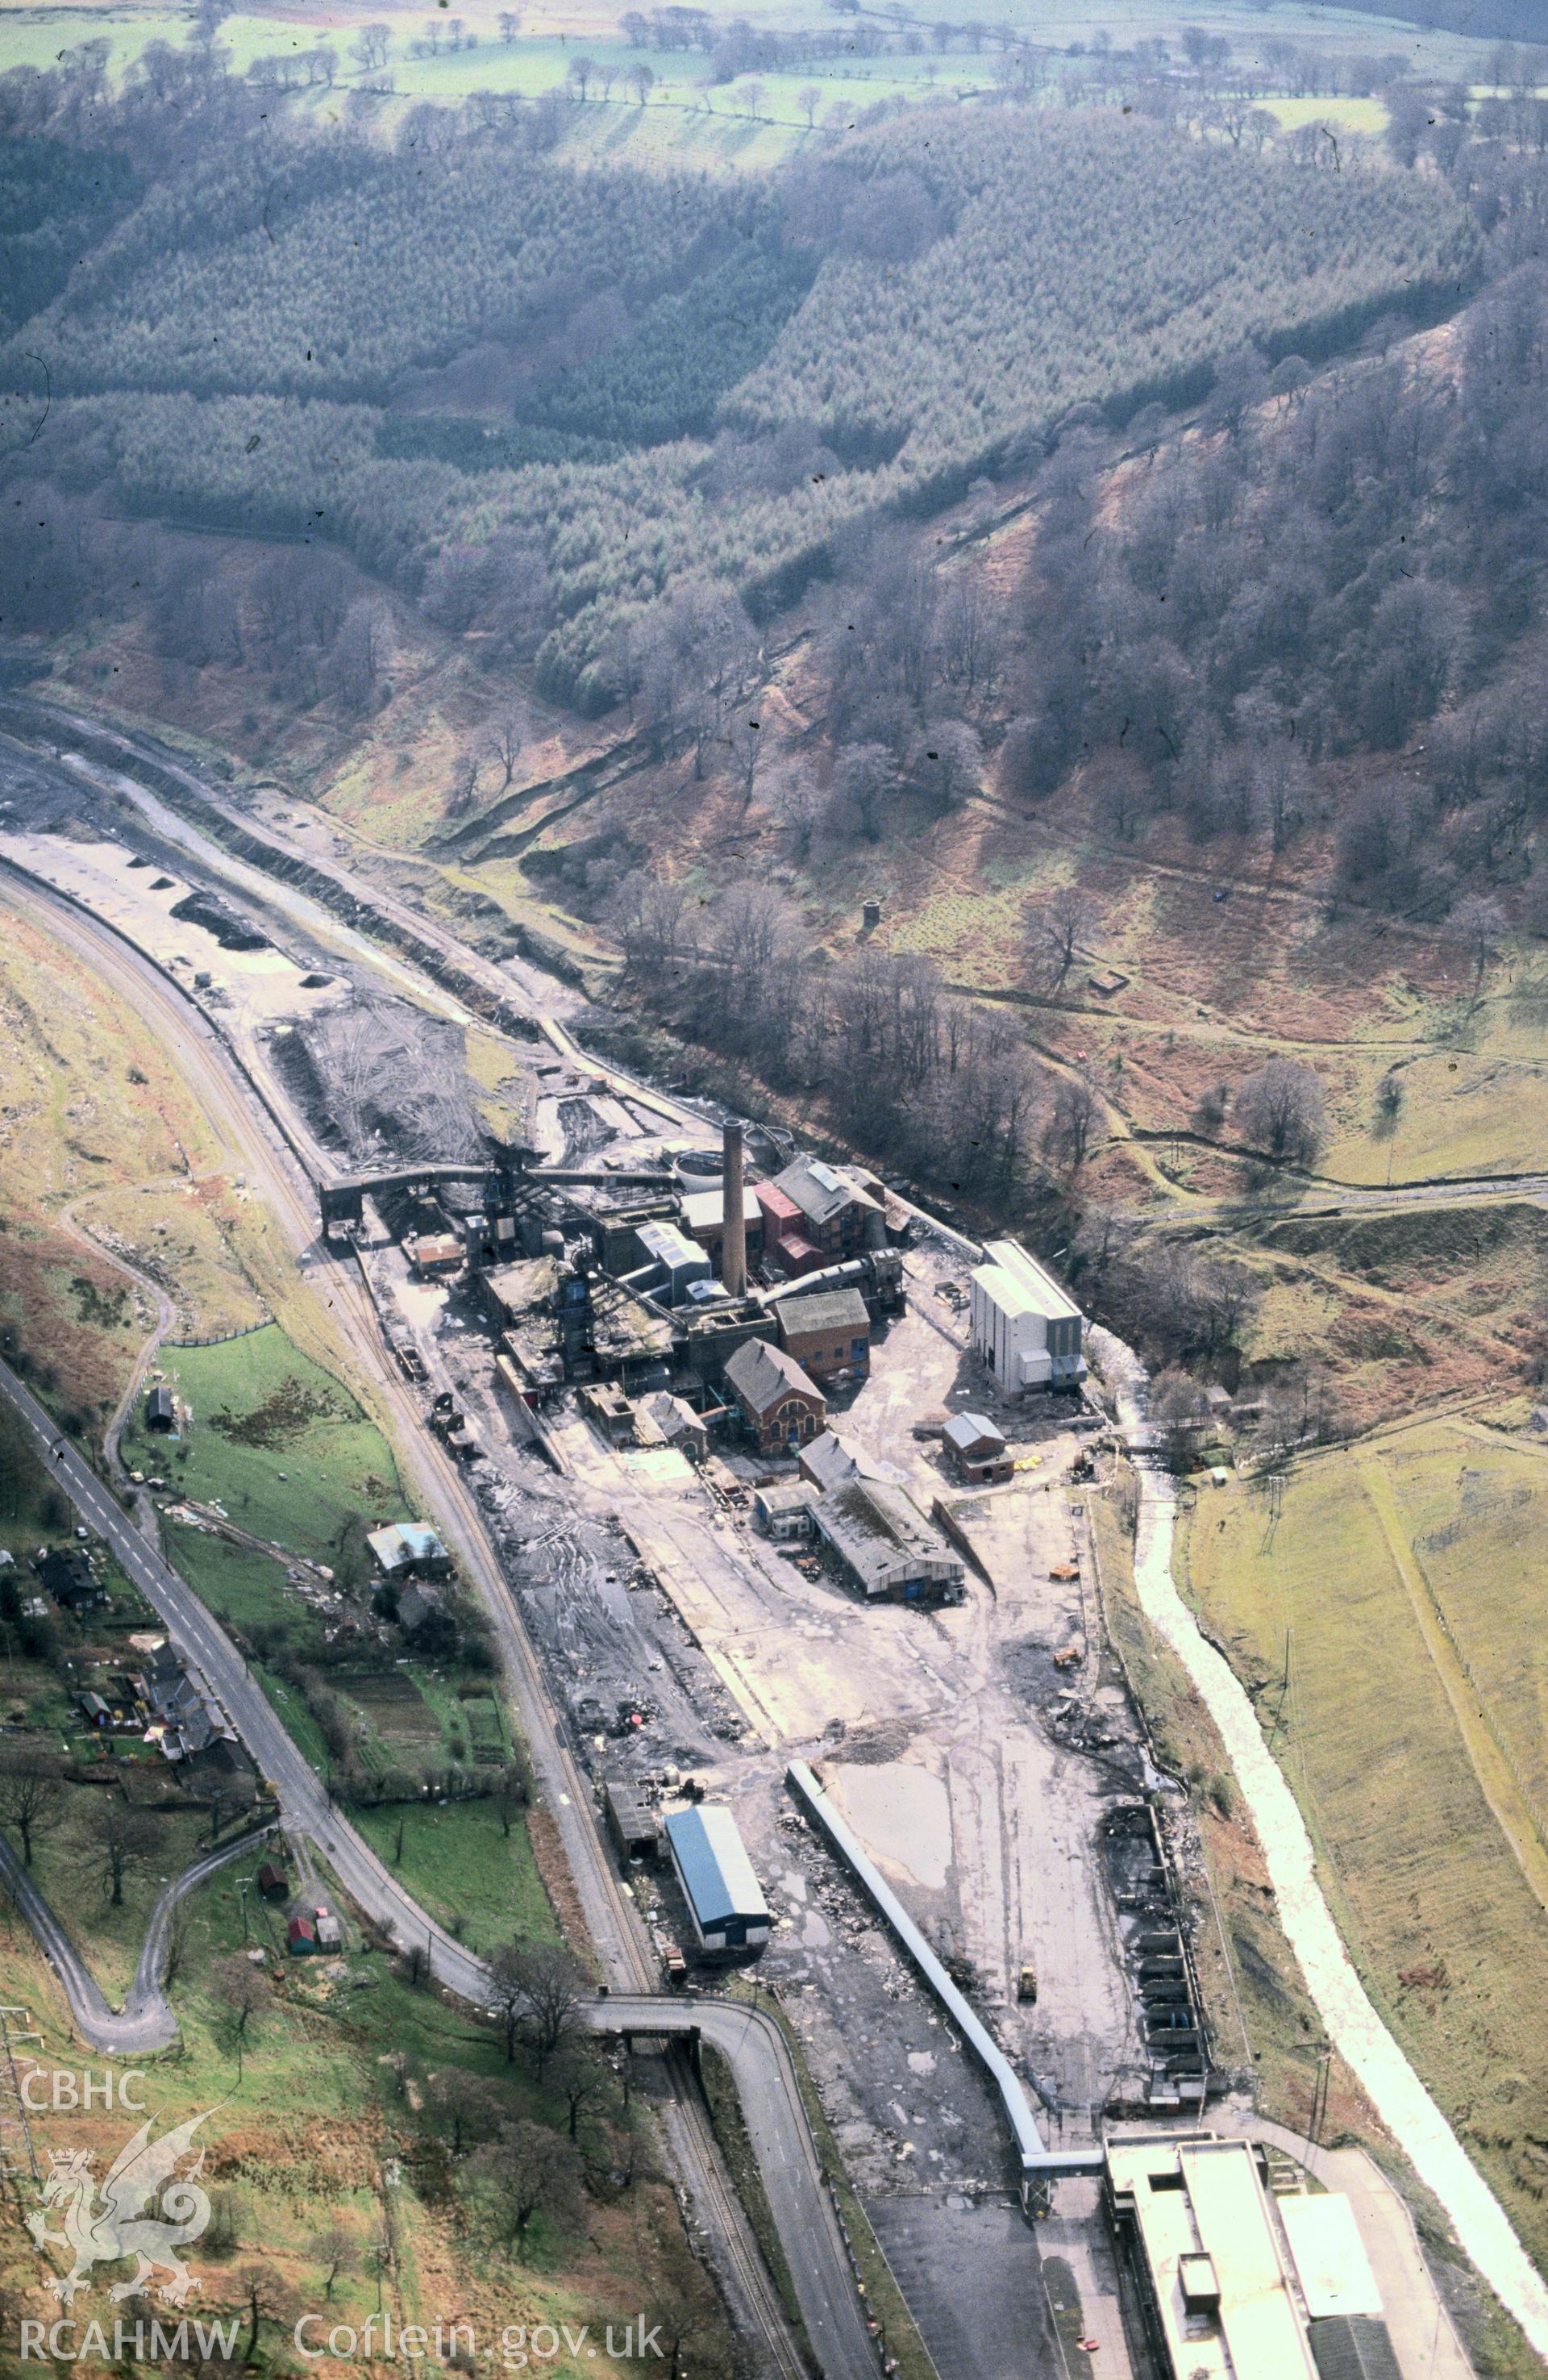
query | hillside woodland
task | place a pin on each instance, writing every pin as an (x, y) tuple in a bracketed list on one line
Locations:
[(485, 371), (617, 437)]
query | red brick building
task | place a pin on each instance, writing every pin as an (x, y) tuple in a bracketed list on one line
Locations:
[(783, 1409), (827, 1333)]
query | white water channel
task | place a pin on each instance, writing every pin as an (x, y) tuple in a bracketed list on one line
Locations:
[(1353, 2026)]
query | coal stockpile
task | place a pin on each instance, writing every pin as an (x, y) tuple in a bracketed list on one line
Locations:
[(381, 1082), (231, 929)]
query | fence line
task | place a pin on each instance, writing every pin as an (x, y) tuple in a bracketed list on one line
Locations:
[(223, 1337)]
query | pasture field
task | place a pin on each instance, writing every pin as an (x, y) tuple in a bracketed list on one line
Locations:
[(278, 1441), (1379, 1624), (688, 119), (480, 1882)]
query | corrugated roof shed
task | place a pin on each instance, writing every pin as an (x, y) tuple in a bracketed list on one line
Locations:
[(884, 1536), (713, 1861), (1354, 2347)]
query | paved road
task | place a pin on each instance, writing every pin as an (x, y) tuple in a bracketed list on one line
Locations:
[(146, 2022), (751, 2040), (816, 2249)]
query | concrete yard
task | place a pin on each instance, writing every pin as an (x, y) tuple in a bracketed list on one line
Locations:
[(929, 1726)]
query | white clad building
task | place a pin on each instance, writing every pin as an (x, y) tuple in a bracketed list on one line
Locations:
[(1025, 1327)]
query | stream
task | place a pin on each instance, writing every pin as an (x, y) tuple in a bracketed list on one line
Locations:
[(1355, 2029)]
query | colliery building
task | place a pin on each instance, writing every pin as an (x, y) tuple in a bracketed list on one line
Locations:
[(726, 1907), (829, 1333), (1235, 2284), (886, 1545), (1025, 1327), (814, 1215), (782, 1408)]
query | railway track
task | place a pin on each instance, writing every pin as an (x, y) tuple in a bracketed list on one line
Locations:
[(229, 1099)]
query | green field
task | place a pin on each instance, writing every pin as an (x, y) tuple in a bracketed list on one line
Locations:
[(1411, 1728), (687, 119), (277, 1440), (478, 1882)]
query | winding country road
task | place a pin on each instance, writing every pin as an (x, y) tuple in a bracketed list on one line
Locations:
[(749, 2038), (146, 2022), (809, 2231)]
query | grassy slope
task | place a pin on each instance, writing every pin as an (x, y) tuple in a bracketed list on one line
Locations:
[(1446, 1927), (308, 2136), (320, 1464), (74, 1121)]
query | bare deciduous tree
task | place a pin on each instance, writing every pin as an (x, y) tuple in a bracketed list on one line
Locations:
[(465, 784), (1280, 1110), (123, 1836), (461, 2105), (1057, 927), (1180, 1409), (506, 741), (335, 2251), (243, 1988), (525, 2171), (32, 1793), (1480, 923), (1074, 1112), (797, 803)]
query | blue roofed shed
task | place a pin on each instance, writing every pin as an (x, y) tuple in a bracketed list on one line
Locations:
[(725, 1901)]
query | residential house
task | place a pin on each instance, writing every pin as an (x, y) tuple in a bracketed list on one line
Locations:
[(829, 1332), (782, 1406), (301, 1937), (185, 1716), (70, 1579)]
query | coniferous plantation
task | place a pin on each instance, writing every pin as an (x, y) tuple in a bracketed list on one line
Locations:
[(774, 1189), (454, 345)]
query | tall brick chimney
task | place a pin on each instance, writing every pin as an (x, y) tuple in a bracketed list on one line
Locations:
[(733, 1240)]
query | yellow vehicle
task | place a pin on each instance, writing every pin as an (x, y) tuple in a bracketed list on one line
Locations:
[(1026, 1984)]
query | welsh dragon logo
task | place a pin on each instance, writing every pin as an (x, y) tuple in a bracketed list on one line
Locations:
[(121, 2226)]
